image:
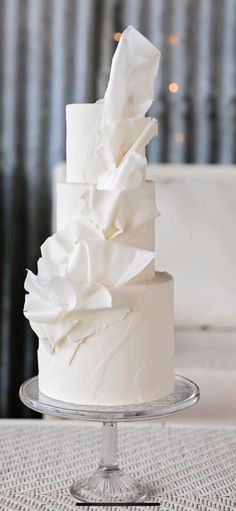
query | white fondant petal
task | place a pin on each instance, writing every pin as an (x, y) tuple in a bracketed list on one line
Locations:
[(130, 90), (119, 138), (110, 263), (42, 311), (91, 296), (59, 245), (131, 173), (34, 284), (62, 290), (116, 211)]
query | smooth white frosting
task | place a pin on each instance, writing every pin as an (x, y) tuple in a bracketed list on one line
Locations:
[(128, 362), (69, 202), (82, 123)]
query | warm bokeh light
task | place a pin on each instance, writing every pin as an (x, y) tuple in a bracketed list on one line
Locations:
[(179, 137), (173, 40), (173, 87), (117, 36)]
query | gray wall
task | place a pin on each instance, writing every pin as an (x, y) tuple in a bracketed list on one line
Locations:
[(58, 51)]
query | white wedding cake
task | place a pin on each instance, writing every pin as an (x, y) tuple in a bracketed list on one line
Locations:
[(103, 317)]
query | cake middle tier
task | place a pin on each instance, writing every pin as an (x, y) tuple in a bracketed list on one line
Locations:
[(129, 361), (69, 206)]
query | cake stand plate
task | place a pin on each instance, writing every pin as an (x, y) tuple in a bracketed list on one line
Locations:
[(109, 483)]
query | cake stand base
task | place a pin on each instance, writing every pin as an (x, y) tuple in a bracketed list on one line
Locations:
[(109, 483), (109, 486)]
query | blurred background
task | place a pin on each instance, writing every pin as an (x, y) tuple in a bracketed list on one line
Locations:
[(55, 52)]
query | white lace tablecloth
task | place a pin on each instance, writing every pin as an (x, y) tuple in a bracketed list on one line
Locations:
[(188, 468)]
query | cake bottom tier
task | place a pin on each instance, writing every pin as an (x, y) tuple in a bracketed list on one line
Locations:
[(130, 361)]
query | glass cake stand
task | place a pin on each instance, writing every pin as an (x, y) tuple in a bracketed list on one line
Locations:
[(109, 483)]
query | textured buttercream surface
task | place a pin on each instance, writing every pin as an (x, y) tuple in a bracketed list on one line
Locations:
[(128, 362)]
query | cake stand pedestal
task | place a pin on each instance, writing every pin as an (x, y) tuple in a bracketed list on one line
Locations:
[(109, 483)]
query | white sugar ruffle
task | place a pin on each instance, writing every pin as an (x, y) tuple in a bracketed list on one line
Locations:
[(75, 280), (130, 90), (116, 211)]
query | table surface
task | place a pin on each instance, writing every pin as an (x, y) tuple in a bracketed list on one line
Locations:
[(187, 468)]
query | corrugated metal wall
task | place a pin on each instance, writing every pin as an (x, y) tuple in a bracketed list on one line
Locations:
[(58, 51)]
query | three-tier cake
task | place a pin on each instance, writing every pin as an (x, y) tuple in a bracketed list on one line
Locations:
[(103, 316)]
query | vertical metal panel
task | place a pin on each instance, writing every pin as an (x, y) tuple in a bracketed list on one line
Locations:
[(15, 242), (132, 12), (107, 45), (57, 51), (157, 36), (58, 43), (82, 47), (177, 74), (227, 77), (8, 157), (202, 81)]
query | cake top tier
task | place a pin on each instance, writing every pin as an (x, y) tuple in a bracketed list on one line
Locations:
[(105, 136)]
